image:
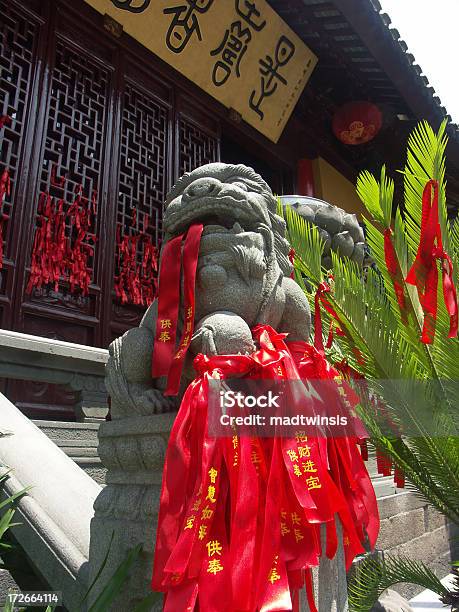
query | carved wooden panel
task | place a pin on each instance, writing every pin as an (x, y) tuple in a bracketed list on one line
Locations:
[(100, 113), (18, 43), (73, 156), (196, 146), (141, 192)]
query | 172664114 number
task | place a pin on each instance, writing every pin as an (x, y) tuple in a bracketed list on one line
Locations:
[(35, 598)]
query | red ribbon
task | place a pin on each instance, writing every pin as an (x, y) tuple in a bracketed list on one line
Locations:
[(5, 189), (56, 182), (166, 360), (55, 256), (239, 526), (5, 185), (168, 307), (291, 256), (424, 272), (190, 263), (319, 300), (135, 284), (395, 271), (5, 120)]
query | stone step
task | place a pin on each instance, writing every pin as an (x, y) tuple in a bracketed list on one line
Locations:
[(62, 430), (79, 442)]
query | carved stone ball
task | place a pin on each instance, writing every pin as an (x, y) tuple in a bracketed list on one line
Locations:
[(222, 333)]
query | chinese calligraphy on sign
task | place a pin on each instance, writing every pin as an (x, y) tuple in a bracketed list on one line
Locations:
[(238, 51), (134, 6), (185, 23), (270, 73)]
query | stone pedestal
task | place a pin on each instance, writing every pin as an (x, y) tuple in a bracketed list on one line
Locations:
[(133, 450)]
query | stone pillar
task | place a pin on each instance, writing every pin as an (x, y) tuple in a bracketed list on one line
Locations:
[(91, 401), (132, 449)]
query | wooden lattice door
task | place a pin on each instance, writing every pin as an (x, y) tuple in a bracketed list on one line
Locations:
[(91, 117)]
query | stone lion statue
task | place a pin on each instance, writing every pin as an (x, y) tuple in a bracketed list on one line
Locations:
[(243, 278)]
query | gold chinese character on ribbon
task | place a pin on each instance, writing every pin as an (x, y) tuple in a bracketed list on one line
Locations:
[(301, 437), (297, 471), (273, 575), (189, 522), (206, 513), (308, 466), (313, 482), (214, 566), (284, 529), (298, 535), (214, 548)]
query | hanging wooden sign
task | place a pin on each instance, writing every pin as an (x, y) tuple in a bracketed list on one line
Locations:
[(239, 51)]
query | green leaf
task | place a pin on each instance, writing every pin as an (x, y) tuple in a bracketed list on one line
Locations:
[(116, 583), (369, 192), (145, 604), (12, 498), (100, 570), (373, 576)]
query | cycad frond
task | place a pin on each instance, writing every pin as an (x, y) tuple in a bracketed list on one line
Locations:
[(388, 342), (374, 576)]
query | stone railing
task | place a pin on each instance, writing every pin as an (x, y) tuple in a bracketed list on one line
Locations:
[(54, 516), (75, 366)]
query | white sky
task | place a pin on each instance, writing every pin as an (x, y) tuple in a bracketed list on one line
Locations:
[(430, 28)]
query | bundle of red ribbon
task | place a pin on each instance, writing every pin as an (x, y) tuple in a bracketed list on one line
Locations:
[(240, 517), (5, 189), (57, 256), (424, 272), (135, 283)]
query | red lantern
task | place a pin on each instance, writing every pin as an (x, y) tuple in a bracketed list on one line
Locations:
[(356, 123)]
